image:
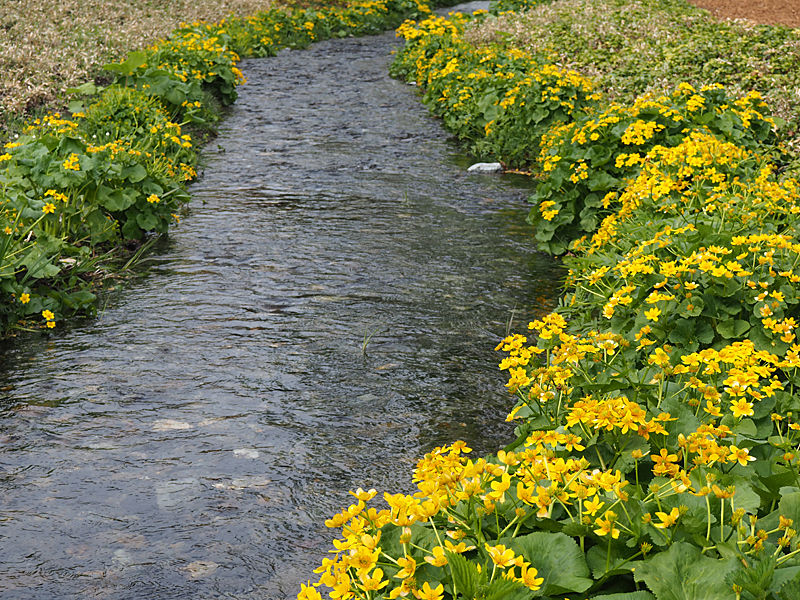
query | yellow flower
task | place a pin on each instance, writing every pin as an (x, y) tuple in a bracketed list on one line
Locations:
[(57, 196), (503, 557), (667, 519), (438, 559), (308, 593), (373, 582), (362, 495), (48, 315), (593, 505), (459, 548), (72, 163), (51, 324), (740, 455), (652, 313), (742, 408), (429, 593), (153, 199), (49, 208), (25, 298), (528, 578), (606, 525), (363, 559), (408, 567)]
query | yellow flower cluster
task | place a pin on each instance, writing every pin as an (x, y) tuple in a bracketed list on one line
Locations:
[(615, 413), (696, 178)]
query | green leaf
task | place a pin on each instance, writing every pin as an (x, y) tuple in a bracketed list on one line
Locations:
[(598, 558), (75, 106), (37, 259), (504, 589), (115, 200), (129, 65), (733, 328), (790, 590), (626, 462), (785, 576), (682, 334), (691, 307), (134, 173), (789, 506), (725, 123), (147, 221), (746, 428), (86, 89), (683, 573), (745, 496), (601, 181), (755, 579), (131, 230), (79, 299), (559, 560), (466, 576)]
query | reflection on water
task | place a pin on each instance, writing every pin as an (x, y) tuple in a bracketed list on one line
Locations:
[(324, 315)]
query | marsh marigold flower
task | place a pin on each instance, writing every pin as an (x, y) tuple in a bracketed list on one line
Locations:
[(667, 519), (308, 593), (72, 163), (529, 578), (429, 593), (742, 408), (503, 557)]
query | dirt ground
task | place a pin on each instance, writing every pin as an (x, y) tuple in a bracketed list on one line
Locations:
[(769, 12)]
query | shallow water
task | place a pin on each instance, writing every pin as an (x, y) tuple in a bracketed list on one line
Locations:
[(324, 315)]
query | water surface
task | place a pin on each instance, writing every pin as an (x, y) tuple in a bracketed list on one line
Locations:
[(323, 316)]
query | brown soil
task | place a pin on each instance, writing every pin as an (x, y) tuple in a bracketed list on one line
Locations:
[(768, 12)]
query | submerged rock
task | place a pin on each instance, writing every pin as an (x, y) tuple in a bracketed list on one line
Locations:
[(170, 425), (246, 452), (200, 568)]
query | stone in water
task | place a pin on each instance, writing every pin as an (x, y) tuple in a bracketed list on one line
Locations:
[(494, 167)]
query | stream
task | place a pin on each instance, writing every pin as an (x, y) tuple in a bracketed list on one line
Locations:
[(324, 315)]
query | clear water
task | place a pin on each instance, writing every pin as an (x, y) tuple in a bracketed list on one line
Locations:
[(324, 315)]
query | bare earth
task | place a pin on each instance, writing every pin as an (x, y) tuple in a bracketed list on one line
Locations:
[(768, 12)]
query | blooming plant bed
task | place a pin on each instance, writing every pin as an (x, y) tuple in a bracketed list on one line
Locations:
[(658, 438), (76, 188)]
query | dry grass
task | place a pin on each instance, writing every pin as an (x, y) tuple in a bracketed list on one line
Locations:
[(47, 46)]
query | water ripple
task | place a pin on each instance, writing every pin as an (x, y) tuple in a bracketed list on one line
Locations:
[(324, 315)]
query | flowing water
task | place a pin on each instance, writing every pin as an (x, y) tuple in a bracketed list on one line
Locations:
[(325, 314)]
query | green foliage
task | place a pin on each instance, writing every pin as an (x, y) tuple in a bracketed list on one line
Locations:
[(595, 154), (499, 102), (683, 573), (559, 560)]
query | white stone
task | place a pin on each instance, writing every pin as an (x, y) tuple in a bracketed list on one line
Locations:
[(494, 167)]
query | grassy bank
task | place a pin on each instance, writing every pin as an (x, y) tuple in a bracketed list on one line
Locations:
[(658, 441), (47, 47)]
